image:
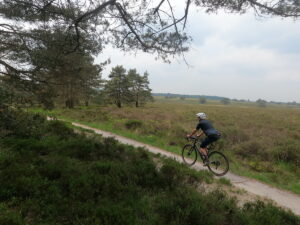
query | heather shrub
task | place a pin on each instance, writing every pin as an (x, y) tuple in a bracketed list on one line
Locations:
[(53, 178), (10, 217), (288, 150), (20, 124), (251, 149), (234, 135), (133, 124)]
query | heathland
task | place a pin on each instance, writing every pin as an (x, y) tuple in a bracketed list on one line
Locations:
[(261, 142), (52, 175)]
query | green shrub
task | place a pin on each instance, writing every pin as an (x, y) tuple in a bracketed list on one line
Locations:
[(9, 217), (59, 129), (234, 135), (252, 149), (21, 124), (224, 181), (174, 174), (261, 166), (260, 213), (16, 123), (133, 124), (288, 151)]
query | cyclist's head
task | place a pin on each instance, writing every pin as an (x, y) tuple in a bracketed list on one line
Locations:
[(201, 115)]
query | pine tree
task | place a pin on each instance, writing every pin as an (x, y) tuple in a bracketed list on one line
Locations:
[(117, 88), (139, 87)]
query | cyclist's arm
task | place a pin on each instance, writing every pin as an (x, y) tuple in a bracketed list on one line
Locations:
[(193, 132), (200, 134)]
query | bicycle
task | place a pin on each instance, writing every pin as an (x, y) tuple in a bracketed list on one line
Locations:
[(217, 163)]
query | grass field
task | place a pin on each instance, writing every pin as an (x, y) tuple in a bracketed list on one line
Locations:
[(262, 143)]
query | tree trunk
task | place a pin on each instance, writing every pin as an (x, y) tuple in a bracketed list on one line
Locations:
[(67, 103), (119, 104), (137, 101), (70, 103)]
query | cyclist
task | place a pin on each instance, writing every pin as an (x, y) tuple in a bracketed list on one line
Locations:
[(207, 128)]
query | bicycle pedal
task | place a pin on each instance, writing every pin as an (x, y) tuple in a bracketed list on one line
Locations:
[(206, 163)]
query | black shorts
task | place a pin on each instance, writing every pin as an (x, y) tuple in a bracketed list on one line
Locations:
[(210, 139)]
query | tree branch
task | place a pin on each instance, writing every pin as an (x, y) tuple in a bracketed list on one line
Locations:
[(273, 10), (11, 68), (123, 15), (186, 12), (157, 8), (94, 11)]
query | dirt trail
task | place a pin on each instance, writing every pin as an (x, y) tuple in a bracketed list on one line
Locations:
[(280, 197)]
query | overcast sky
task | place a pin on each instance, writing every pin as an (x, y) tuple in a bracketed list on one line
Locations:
[(235, 56)]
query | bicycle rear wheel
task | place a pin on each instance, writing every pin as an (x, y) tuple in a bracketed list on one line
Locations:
[(189, 154), (218, 163)]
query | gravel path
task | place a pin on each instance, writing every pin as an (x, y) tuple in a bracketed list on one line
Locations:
[(282, 198)]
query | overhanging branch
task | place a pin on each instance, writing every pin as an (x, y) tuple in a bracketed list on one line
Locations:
[(272, 9)]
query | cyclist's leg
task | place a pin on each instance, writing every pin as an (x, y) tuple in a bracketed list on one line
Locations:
[(203, 146), (208, 140)]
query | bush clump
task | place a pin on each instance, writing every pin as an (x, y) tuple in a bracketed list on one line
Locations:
[(288, 151), (16, 123), (253, 149), (20, 124), (133, 124)]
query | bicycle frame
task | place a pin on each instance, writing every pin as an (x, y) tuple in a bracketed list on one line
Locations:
[(195, 141)]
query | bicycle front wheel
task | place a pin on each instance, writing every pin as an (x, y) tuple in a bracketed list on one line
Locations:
[(218, 163), (189, 154)]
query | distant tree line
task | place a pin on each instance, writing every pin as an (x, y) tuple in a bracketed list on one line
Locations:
[(184, 96), (202, 99)]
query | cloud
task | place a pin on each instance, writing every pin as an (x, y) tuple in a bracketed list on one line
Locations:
[(235, 56)]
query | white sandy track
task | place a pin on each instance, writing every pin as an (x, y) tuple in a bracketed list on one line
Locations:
[(282, 198)]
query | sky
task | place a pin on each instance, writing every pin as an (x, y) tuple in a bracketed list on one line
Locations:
[(234, 56)]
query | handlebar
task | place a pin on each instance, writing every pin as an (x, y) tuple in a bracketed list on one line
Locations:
[(191, 138)]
